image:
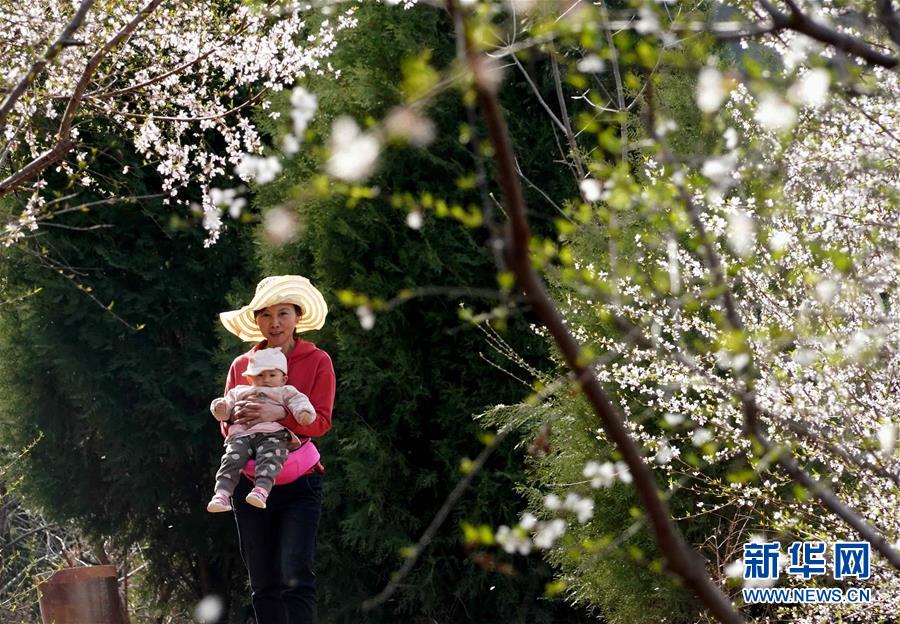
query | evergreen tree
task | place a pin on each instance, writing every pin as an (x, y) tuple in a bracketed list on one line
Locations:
[(110, 368), (409, 387)]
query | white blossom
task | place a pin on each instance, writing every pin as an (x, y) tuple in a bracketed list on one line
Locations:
[(648, 21), (721, 170), (209, 610), (779, 240), (741, 232), (775, 113), (601, 475), (212, 223), (414, 219), (826, 289), (735, 569), (261, 170), (664, 452), (591, 189), (303, 108), (228, 199), (672, 266), (887, 438), (280, 225), (513, 541), (811, 89), (623, 472), (673, 420), (171, 86), (711, 90), (549, 532), (522, 6), (353, 152), (290, 144), (591, 64), (701, 436), (366, 317), (731, 138), (664, 126), (409, 125)]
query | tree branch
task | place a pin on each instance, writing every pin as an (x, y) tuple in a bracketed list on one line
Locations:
[(857, 460), (753, 426), (252, 100), (889, 19), (681, 559), (36, 166), (52, 52), (567, 129), (799, 22), (436, 522), (174, 70), (831, 501), (90, 69), (64, 143), (7, 149)]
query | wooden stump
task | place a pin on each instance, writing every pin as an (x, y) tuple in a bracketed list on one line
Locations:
[(80, 596)]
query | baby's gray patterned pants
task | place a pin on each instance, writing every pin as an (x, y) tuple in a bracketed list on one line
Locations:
[(270, 450)]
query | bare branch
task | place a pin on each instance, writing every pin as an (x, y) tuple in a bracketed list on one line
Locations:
[(564, 113), (7, 149), (556, 121), (106, 202), (449, 291), (477, 465), (831, 501), (46, 262), (805, 431), (75, 228), (436, 522)]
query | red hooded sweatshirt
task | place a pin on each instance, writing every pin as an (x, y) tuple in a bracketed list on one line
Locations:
[(310, 371)]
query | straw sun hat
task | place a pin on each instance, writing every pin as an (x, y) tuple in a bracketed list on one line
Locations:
[(273, 290)]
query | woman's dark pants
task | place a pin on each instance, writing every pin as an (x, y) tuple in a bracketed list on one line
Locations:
[(278, 545)]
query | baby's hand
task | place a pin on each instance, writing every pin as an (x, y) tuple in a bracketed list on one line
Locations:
[(221, 411)]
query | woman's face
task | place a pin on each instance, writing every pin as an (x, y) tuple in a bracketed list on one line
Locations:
[(277, 324)]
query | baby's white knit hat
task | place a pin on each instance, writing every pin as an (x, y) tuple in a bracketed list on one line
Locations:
[(266, 359)]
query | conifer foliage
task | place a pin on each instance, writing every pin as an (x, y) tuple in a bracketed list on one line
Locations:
[(107, 367), (408, 388)]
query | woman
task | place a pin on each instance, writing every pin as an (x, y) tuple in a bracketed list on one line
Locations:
[(278, 543)]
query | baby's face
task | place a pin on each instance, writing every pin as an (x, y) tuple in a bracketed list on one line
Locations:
[(270, 378)]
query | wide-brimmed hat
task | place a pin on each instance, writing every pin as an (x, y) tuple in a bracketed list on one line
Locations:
[(266, 359), (273, 290)]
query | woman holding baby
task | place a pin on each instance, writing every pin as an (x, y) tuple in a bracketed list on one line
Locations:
[(278, 537)]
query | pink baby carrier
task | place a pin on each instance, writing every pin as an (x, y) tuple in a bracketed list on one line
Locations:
[(299, 462)]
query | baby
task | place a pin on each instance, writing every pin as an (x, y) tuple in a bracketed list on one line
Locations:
[(268, 442)]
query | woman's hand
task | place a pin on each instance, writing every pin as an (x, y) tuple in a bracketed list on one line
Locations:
[(249, 413)]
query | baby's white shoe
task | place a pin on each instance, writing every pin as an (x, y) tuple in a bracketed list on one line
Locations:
[(257, 497), (219, 503)]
